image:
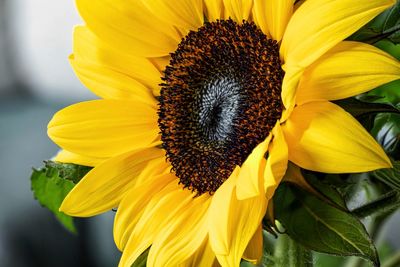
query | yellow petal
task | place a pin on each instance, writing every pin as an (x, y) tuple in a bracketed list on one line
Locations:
[(90, 49), (69, 157), (183, 14), (254, 250), (294, 176), (350, 68), (160, 63), (160, 211), (220, 209), (104, 128), (260, 16), (323, 137), (317, 26), (213, 9), (132, 206), (289, 89), (203, 257), (182, 236), (276, 163), (278, 13), (110, 84), (233, 222), (238, 10), (129, 26), (104, 186), (251, 173), (297, 4)]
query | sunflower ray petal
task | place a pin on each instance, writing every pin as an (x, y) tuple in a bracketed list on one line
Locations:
[(323, 137)]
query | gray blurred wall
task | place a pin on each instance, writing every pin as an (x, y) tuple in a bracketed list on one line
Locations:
[(35, 42)]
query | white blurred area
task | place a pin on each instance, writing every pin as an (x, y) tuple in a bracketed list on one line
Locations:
[(36, 81), (35, 42)]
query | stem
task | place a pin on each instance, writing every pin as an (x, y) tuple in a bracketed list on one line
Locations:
[(384, 204), (288, 253)]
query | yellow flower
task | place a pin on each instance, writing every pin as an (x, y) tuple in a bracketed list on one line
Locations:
[(204, 103)]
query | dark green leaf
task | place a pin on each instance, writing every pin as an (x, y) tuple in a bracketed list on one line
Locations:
[(50, 191), (324, 260), (321, 227), (386, 131), (52, 183), (387, 93), (386, 25), (68, 171), (389, 47), (358, 108), (141, 260), (323, 186), (391, 177)]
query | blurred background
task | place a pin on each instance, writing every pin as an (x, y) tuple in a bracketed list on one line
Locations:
[(36, 81)]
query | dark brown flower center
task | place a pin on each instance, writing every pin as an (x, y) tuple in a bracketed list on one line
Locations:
[(220, 98)]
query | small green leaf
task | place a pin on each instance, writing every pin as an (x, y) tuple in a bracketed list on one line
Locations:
[(321, 227), (391, 176), (68, 171), (141, 260), (52, 183), (359, 108), (50, 191)]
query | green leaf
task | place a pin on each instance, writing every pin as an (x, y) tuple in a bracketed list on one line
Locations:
[(68, 171), (389, 47), (386, 131), (391, 177), (329, 192), (387, 93), (386, 25), (50, 190), (52, 183), (141, 260), (321, 227), (359, 108)]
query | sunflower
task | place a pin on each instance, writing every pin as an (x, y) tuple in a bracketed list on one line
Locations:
[(204, 105)]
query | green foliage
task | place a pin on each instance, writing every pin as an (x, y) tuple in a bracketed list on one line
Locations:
[(50, 190), (386, 25), (321, 227), (327, 192), (359, 108), (68, 171), (386, 131), (52, 183), (391, 177)]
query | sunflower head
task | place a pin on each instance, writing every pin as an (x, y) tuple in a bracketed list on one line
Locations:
[(220, 98)]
